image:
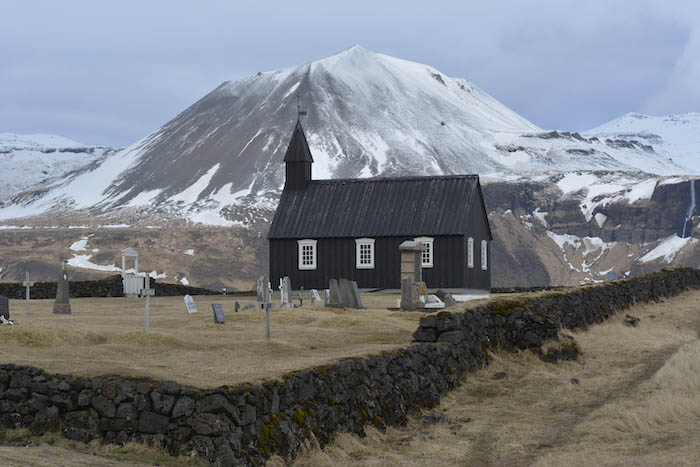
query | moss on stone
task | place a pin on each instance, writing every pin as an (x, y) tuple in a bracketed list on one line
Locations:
[(505, 307), (299, 417)]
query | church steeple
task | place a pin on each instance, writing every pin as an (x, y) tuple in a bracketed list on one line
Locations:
[(297, 161)]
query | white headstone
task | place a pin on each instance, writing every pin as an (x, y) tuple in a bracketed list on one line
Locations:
[(433, 301), (190, 307), (316, 295), (285, 292)]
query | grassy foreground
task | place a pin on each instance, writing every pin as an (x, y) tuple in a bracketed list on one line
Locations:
[(632, 399), (105, 336)]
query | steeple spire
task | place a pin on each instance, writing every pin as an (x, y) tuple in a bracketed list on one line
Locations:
[(297, 160), (298, 149)]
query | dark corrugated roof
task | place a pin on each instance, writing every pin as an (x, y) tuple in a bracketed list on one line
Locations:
[(377, 207), (298, 149)]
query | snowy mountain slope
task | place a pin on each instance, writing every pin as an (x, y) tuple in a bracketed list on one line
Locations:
[(673, 136), (34, 161), (368, 115)]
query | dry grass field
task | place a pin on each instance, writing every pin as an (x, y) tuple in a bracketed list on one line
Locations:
[(635, 401), (106, 336), (633, 398)]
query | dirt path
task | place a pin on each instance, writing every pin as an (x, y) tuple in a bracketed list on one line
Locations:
[(629, 400)]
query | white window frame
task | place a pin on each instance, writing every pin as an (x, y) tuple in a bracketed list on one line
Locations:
[(470, 253), (359, 243), (429, 242), (314, 254), (484, 255)]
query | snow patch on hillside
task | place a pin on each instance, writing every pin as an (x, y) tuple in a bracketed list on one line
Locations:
[(667, 249)]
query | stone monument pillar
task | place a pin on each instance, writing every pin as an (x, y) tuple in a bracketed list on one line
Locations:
[(411, 273), (62, 304)]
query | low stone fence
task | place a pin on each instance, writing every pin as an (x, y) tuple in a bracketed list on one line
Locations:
[(107, 287), (111, 286), (526, 322), (246, 424)]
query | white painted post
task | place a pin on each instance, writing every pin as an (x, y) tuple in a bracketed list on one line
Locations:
[(267, 321)]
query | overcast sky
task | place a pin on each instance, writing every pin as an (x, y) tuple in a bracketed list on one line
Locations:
[(111, 72)]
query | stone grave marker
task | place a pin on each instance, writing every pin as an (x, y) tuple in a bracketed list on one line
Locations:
[(355, 295), (409, 294), (62, 304), (260, 288), (345, 293), (249, 306), (148, 292), (219, 317), (285, 293), (4, 307), (333, 298), (190, 307), (28, 284), (237, 307), (316, 296)]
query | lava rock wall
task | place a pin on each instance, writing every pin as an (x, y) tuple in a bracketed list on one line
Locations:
[(111, 286)]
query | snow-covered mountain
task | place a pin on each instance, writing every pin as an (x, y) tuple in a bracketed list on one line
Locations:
[(369, 114), (34, 161), (673, 136)]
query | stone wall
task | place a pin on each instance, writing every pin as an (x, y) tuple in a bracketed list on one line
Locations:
[(246, 424), (111, 286), (108, 287), (526, 322)]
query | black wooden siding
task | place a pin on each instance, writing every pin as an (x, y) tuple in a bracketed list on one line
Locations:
[(477, 278), (336, 259)]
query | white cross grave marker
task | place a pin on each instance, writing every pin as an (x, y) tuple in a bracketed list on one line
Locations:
[(28, 284)]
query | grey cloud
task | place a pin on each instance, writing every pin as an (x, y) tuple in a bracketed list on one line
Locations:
[(109, 73)]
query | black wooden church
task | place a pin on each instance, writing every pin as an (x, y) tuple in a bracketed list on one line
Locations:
[(352, 228)]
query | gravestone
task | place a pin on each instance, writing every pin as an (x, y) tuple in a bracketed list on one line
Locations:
[(219, 317), (345, 293), (316, 296), (28, 285), (249, 306), (355, 297), (237, 307), (62, 304), (4, 307), (190, 307), (223, 291), (147, 292), (261, 288), (432, 301), (333, 294), (285, 292)]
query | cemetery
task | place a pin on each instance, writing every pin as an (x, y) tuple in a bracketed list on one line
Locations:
[(107, 336)]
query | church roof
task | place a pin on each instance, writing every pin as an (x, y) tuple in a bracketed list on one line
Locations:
[(377, 207), (298, 149)]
